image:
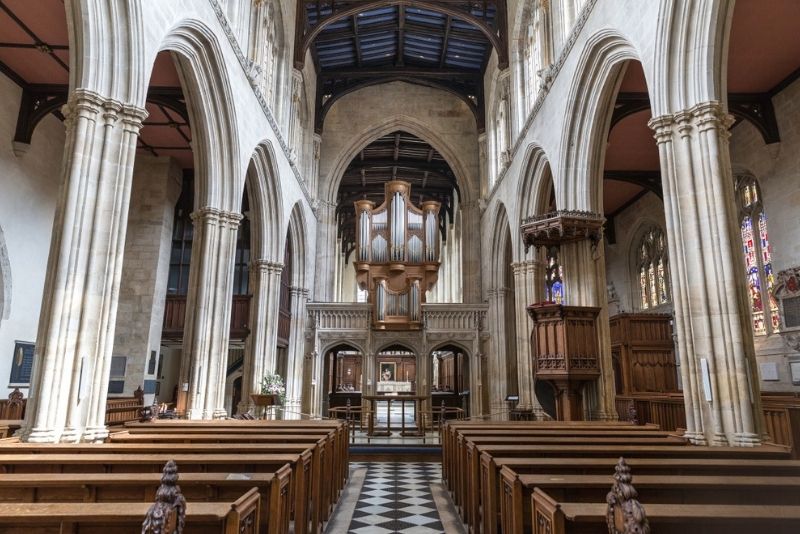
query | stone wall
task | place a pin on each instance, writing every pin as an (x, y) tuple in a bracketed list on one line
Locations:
[(154, 192), (777, 168), (29, 186)]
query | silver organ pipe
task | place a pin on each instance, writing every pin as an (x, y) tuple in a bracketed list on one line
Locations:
[(415, 249), (363, 236), (398, 230), (430, 236), (380, 297)]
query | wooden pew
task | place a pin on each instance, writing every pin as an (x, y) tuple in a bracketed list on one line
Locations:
[(274, 489), (468, 458), (238, 517), (554, 517), (663, 467), (653, 489)]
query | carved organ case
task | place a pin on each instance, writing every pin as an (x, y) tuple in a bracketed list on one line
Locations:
[(397, 256)]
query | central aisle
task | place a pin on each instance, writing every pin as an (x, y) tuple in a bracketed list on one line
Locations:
[(397, 497)]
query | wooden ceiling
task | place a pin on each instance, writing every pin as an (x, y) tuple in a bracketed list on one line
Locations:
[(441, 44), (398, 155)]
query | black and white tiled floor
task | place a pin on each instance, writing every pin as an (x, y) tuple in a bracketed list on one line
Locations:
[(396, 498)]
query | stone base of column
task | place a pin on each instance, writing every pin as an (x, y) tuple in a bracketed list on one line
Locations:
[(719, 440), (70, 435), (194, 414), (695, 438), (601, 415), (95, 434), (40, 435), (746, 439), (219, 413), (293, 409)]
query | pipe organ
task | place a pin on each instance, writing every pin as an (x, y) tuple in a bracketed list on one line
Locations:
[(397, 255)]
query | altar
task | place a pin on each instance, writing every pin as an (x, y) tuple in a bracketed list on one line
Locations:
[(392, 386)]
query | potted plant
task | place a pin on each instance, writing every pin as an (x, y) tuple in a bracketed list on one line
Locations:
[(273, 391)]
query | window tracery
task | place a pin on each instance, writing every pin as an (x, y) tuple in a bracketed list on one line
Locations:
[(653, 269), (757, 257)]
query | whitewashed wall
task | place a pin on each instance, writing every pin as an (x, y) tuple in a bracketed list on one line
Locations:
[(28, 193)]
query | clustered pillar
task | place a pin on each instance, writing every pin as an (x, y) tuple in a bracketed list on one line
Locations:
[(78, 314), (715, 342), (208, 312), (259, 357)]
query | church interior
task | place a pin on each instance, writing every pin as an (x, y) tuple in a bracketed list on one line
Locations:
[(413, 266)]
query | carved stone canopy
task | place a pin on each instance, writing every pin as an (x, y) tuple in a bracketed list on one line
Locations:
[(563, 226)]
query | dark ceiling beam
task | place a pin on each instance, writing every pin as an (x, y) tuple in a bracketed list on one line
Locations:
[(445, 8), (401, 35), (650, 180), (338, 35), (445, 40), (356, 40), (379, 72), (33, 46), (39, 43), (37, 103), (755, 108)]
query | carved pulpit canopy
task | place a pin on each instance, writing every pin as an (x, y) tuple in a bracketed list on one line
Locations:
[(397, 255), (559, 227)]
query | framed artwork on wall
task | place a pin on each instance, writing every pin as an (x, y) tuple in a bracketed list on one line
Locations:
[(388, 371)]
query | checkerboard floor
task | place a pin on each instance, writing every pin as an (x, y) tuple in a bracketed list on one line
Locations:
[(396, 498)]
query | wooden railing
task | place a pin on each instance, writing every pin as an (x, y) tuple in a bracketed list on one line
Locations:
[(123, 409), (781, 415), (175, 317)]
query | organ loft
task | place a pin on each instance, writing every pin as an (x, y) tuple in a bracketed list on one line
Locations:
[(397, 256)]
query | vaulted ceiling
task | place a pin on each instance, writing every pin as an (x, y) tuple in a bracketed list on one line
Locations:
[(398, 155), (442, 44)]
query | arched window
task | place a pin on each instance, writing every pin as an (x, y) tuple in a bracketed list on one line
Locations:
[(757, 256), (554, 277), (652, 269)]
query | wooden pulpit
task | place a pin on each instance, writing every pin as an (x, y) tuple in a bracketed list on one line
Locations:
[(566, 353)]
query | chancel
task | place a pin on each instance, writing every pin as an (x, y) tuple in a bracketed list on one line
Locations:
[(416, 266)]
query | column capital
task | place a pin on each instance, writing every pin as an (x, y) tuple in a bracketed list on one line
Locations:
[(88, 104), (712, 115), (230, 219), (266, 266), (296, 291), (662, 126)]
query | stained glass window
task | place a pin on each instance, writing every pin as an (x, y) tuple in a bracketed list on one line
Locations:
[(554, 277), (652, 267), (757, 257)]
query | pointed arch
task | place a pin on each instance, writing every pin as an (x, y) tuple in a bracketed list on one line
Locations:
[(297, 237), (466, 186), (265, 197), (215, 140), (600, 71), (535, 189)]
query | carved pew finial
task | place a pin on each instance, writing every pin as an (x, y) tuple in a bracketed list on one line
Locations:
[(168, 514), (625, 513)]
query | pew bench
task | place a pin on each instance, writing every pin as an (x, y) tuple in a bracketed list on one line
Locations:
[(274, 489), (653, 489), (238, 517), (553, 517)]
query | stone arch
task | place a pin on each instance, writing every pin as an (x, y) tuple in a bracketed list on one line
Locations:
[(338, 343), (5, 279), (215, 141), (691, 49), (534, 189), (588, 117), (400, 343), (467, 187), (264, 194), (500, 239), (451, 342), (297, 236)]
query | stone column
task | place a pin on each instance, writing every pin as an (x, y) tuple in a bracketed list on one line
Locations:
[(295, 352), (497, 372), (259, 351), (208, 313), (76, 325), (526, 275), (155, 190), (715, 340), (585, 283), (471, 255), (326, 252)]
